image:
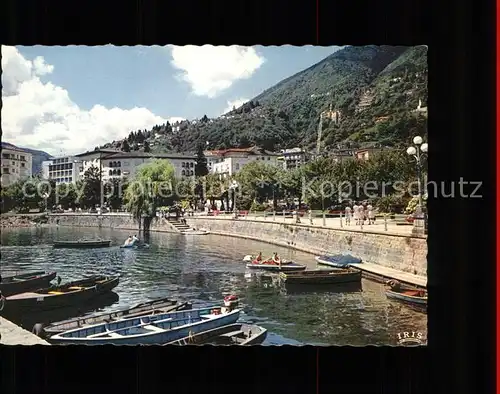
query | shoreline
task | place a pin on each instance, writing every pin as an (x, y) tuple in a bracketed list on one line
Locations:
[(384, 255)]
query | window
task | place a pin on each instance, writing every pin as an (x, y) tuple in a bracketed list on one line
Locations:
[(192, 172), (268, 158), (23, 164), (191, 164), (183, 165), (237, 166), (110, 172), (119, 164), (183, 171), (23, 158), (5, 170), (118, 172)]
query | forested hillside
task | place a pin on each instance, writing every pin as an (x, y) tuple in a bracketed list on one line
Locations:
[(373, 92)]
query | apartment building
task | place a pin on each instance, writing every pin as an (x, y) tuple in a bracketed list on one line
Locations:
[(293, 158), (16, 164), (62, 169), (122, 165), (227, 162)]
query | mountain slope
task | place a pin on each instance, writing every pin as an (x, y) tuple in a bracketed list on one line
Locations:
[(374, 89)]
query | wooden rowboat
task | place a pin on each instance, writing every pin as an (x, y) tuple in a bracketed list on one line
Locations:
[(15, 284), (316, 277), (277, 267), (155, 307), (410, 296), (234, 334), (252, 258), (338, 260), (82, 244), (149, 330), (69, 294)]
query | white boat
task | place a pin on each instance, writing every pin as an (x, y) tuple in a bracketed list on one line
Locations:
[(149, 330), (195, 232)]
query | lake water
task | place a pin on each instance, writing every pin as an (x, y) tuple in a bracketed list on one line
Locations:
[(203, 269)]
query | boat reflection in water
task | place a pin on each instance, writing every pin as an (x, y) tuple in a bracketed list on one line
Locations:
[(28, 320), (320, 289)]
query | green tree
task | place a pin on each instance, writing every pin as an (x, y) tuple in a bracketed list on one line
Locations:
[(125, 146), (91, 195), (151, 187), (201, 167), (259, 181)]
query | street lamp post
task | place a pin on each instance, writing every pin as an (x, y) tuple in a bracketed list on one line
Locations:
[(417, 151), (234, 187)]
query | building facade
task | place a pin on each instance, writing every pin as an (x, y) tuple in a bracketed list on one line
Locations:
[(16, 165), (227, 162), (293, 158), (123, 165), (62, 169)]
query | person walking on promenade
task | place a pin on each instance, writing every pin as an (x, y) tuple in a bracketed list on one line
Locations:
[(371, 214), (355, 210), (348, 215), (310, 217), (361, 213)]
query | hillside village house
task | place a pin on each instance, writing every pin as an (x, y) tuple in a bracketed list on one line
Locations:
[(293, 158), (227, 162), (16, 165)]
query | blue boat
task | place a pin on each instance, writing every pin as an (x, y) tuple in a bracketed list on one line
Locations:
[(338, 260), (149, 330)]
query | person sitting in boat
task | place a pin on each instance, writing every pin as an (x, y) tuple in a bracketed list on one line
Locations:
[(128, 241), (259, 257), (276, 258)]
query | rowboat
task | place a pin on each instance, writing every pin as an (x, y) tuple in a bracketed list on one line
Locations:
[(14, 284), (149, 330), (195, 232), (277, 267), (316, 277), (233, 334), (413, 297), (155, 307), (338, 260), (69, 294), (135, 246), (82, 244)]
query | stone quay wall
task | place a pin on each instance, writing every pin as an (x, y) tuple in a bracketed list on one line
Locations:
[(400, 252)]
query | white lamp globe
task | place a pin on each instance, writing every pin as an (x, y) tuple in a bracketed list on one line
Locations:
[(424, 147), (417, 140), (411, 151)]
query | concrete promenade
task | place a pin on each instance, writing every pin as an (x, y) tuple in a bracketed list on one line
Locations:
[(15, 335), (379, 227)]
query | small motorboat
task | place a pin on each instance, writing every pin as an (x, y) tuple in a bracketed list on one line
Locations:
[(316, 277), (231, 301), (149, 330), (411, 296), (291, 266), (253, 258), (19, 283), (82, 244), (338, 260), (69, 294), (234, 334), (154, 307)]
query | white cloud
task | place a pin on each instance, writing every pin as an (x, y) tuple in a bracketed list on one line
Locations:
[(212, 69), (42, 116), (235, 103)]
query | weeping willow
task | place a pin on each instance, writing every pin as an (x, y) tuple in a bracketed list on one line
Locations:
[(152, 183)]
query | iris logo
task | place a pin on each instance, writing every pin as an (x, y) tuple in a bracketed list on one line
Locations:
[(411, 338)]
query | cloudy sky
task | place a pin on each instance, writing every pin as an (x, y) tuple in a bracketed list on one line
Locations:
[(69, 99)]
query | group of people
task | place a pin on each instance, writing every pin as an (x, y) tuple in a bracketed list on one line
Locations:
[(360, 213), (131, 239), (275, 258)]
